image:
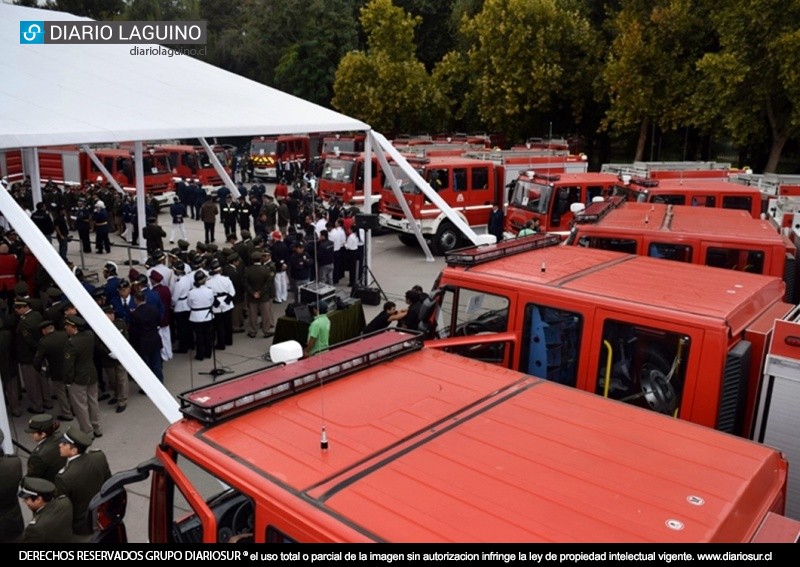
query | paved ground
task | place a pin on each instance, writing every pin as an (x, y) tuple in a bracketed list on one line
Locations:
[(130, 437)]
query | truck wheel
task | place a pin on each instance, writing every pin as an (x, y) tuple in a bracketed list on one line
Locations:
[(447, 238), (408, 239)]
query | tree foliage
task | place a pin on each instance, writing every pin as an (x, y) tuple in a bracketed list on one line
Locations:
[(528, 62), (751, 84), (386, 85)]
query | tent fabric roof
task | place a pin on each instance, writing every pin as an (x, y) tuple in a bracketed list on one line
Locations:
[(66, 94)]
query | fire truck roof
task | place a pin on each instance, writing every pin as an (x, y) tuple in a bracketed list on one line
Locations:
[(723, 225), (677, 292), (434, 447)]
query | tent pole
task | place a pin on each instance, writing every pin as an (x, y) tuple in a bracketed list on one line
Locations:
[(226, 179), (402, 201), (367, 206), (434, 197), (32, 169), (88, 308), (140, 197)]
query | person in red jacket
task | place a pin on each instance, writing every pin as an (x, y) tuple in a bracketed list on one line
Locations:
[(8, 273)]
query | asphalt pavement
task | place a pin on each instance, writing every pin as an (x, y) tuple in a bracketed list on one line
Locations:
[(131, 437)]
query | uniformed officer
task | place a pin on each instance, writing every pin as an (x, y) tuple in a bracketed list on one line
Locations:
[(49, 360), (25, 344), (11, 524), (45, 459), (81, 477), (52, 515), (201, 302), (229, 212), (259, 283), (244, 213), (80, 375)]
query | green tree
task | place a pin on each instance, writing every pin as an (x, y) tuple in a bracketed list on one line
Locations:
[(308, 64), (528, 62), (386, 85), (750, 86), (650, 74)]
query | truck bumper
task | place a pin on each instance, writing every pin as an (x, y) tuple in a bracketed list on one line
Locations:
[(401, 225)]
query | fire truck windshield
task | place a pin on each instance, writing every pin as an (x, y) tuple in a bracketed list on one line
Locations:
[(338, 169), (205, 161), (330, 146), (531, 196), (270, 147), (406, 185), (155, 164)]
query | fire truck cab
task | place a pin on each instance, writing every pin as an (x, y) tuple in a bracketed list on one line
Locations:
[(469, 187), (550, 197), (275, 157), (680, 339), (417, 445), (343, 177), (695, 193), (723, 238)]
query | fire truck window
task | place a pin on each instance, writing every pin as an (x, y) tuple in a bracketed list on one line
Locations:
[(643, 366), (460, 179), (466, 312), (274, 535), (736, 202), (438, 179), (480, 178), (704, 201), (678, 252), (595, 191), (735, 259), (564, 198), (551, 344), (109, 164), (603, 243), (190, 161), (234, 511), (670, 199)]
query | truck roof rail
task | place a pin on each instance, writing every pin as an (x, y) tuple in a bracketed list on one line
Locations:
[(222, 400), (596, 211), (475, 255)]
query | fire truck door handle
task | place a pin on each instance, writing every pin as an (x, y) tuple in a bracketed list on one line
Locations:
[(607, 381)]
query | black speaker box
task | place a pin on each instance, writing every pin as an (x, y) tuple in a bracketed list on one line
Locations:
[(367, 295), (367, 221)]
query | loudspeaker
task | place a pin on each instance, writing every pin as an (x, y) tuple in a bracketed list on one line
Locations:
[(366, 221), (367, 295)]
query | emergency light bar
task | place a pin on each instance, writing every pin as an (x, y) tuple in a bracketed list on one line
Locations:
[(551, 178), (642, 182), (222, 400), (475, 255), (595, 211)]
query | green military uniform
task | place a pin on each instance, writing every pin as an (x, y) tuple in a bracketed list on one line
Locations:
[(52, 523), (81, 478), (51, 350), (11, 524), (80, 375), (45, 459), (25, 345), (259, 283)]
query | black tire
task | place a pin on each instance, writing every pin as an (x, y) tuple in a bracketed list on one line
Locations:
[(408, 239), (447, 238)]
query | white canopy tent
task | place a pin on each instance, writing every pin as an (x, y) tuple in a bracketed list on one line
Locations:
[(91, 94)]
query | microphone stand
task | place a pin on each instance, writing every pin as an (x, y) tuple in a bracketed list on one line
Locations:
[(214, 372)]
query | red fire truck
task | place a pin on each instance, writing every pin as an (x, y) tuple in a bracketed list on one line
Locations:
[(549, 198), (723, 238), (343, 177), (696, 193), (11, 165), (417, 445), (469, 184), (332, 145), (673, 170), (284, 155), (192, 162), (69, 165), (783, 199)]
